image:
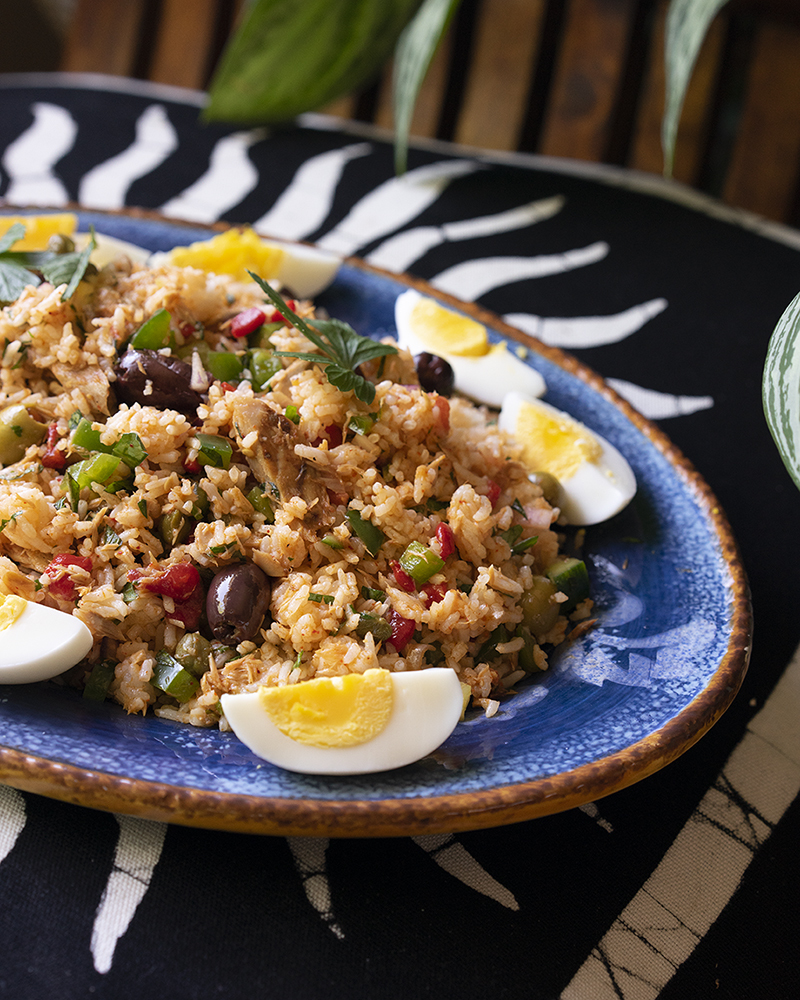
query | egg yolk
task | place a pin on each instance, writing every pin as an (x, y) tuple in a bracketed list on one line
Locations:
[(447, 331), (39, 228), (234, 252), (11, 607), (555, 444), (331, 711)]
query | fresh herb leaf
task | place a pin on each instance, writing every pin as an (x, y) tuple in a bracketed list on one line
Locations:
[(342, 45), (413, 54), (23, 353), (342, 349), (14, 277), (109, 536), (19, 269), (686, 27), (68, 268), (523, 545), (511, 534), (218, 550), (320, 598), (11, 236), (380, 628), (373, 594)]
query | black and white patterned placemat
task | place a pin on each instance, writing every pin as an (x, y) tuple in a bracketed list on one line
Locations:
[(684, 886)]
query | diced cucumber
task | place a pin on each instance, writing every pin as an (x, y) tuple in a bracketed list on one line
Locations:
[(99, 681), (172, 678), (525, 658), (571, 578)]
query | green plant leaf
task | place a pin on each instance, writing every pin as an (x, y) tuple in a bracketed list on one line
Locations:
[(291, 56), (11, 236), (14, 276), (781, 388), (68, 268), (413, 54), (343, 350), (686, 27)]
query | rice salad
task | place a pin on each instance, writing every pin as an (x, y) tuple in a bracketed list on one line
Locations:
[(222, 516)]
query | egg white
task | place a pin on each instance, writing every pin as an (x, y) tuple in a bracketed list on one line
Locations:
[(426, 706), (306, 271), (486, 377), (109, 248), (597, 490), (40, 644)]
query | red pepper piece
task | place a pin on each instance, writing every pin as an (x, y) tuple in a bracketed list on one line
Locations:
[(432, 593), (441, 412), (188, 613), (62, 585), (277, 317), (333, 435), (403, 579), (178, 582), (493, 492), (247, 322), (53, 458), (190, 330), (402, 629), (192, 466), (446, 540)]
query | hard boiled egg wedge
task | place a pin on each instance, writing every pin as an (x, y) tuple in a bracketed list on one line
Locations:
[(483, 371), (596, 481), (37, 642), (304, 270), (39, 228), (109, 248), (355, 724)]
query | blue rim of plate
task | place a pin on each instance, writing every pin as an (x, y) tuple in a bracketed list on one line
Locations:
[(665, 660)]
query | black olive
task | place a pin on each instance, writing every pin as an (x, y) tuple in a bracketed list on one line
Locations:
[(435, 374), (154, 379), (237, 603)]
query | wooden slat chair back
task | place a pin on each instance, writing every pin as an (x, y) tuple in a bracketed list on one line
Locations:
[(568, 78)]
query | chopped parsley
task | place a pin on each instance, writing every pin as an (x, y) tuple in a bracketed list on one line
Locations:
[(320, 598)]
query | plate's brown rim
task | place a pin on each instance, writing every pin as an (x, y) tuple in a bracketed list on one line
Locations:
[(441, 814)]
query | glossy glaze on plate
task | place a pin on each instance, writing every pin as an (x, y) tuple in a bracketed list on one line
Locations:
[(667, 656)]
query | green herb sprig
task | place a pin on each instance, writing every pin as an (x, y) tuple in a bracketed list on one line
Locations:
[(21, 268), (342, 349)]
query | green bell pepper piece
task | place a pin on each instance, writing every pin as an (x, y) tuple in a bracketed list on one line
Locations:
[(154, 333)]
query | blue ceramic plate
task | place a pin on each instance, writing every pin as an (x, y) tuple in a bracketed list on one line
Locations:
[(668, 655)]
